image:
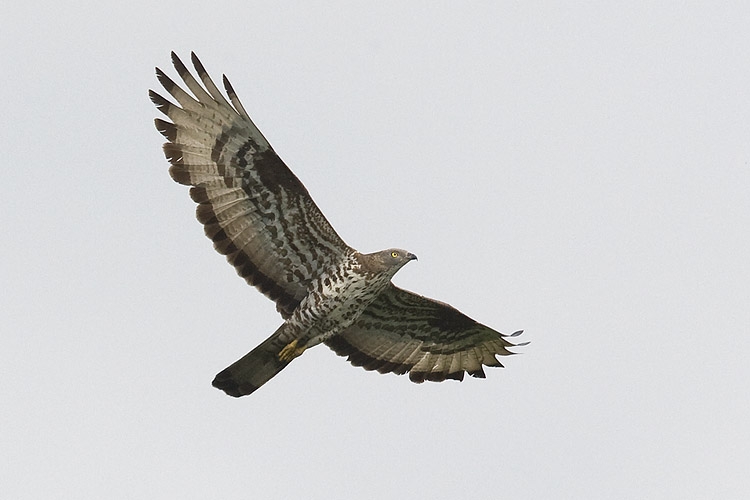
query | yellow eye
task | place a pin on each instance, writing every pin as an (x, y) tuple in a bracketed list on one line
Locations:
[(394, 254)]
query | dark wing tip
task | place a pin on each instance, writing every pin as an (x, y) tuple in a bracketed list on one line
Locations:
[(178, 65), (167, 129), (228, 86), (165, 81), (516, 334), (197, 64), (160, 102)]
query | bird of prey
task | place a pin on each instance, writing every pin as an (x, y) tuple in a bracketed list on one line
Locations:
[(261, 217)]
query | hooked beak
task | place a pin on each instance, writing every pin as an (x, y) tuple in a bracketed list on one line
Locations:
[(411, 256)]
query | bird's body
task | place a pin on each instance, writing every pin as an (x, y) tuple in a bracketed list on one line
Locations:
[(263, 219), (339, 295), (334, 300)]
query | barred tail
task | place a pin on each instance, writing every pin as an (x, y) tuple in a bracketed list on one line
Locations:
[(255, 368)]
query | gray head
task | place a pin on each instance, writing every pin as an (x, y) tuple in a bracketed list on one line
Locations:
[(387, 261)]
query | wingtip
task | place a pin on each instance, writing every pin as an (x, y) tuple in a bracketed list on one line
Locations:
[(179, 65), (167, 129), (197, 63), (520, 344), (227, 86), (165, 81), (159, 101)]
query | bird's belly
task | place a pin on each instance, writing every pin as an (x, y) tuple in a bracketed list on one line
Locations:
[(329, 311)]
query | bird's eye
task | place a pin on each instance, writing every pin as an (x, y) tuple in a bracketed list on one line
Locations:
[(394, 254)]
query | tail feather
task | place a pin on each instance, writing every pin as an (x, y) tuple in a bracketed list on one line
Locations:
[(255, 368)]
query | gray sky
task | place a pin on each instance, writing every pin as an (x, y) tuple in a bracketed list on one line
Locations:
[(578, 172)]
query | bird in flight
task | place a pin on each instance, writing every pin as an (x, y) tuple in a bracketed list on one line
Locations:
[(261, 217)]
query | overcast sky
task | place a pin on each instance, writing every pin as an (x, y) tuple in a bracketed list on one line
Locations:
[(581, 173)]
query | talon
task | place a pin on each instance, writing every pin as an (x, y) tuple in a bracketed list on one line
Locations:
[(291, 351)]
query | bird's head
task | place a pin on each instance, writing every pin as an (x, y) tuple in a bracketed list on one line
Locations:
[(396, 256), (391, 260)]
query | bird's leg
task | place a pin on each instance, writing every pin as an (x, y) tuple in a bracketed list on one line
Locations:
[(291, 351)]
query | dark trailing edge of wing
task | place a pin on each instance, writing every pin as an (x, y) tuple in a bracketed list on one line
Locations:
[(340, 346)]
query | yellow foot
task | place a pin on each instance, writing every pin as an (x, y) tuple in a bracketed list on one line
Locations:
[(291, 351)]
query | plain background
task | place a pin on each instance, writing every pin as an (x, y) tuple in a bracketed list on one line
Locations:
[(577, 171)]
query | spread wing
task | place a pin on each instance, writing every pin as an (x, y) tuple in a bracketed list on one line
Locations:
[(253, 207), (404, 332)]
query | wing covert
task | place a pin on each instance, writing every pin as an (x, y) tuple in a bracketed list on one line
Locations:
[(252, 206)]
